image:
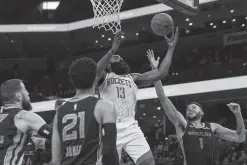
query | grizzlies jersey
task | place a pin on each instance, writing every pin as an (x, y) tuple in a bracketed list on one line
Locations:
[(80, 133), (12, 141), (121, 91), (199, 145)]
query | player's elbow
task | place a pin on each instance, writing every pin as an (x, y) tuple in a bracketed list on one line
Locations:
[(241, 139)]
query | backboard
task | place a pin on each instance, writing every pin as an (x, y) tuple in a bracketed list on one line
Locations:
[(188, 7)]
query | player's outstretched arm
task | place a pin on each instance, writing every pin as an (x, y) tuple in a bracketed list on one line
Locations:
[(228, 134), (104, 61), (174, 116), (106, 115), (56, 145), (28, 122), (151, 77)]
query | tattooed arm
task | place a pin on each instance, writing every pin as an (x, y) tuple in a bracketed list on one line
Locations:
[(231, 135)]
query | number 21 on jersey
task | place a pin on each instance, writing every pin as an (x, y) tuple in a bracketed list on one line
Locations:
[(69, 131)]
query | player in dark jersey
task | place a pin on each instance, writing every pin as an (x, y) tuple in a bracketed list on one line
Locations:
[(77, 127), (198, 140), (31, 155), (17, 122)]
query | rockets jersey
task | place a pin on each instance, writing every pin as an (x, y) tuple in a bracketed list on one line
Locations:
[(12, 141), (80, 133), (121, 90), (199, 145)]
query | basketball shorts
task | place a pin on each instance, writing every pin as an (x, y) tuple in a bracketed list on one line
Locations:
[(132, 140)]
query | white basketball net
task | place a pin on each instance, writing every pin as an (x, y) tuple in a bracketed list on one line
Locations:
[(106, 14)]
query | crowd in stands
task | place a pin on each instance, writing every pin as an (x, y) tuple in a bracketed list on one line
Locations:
[(199, 64)]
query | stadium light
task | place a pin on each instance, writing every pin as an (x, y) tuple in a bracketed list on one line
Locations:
[(50, 5)]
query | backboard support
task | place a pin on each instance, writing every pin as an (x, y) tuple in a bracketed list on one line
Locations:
[(188, 7)]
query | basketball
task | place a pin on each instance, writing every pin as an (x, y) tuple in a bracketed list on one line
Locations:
[(162, 24)]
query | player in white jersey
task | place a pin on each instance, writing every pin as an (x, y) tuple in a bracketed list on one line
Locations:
[(120, 87)]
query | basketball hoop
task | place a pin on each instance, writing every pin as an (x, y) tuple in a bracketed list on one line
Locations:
[(106, 14)]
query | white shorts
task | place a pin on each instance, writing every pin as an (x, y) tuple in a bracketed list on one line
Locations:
[(132, 140)]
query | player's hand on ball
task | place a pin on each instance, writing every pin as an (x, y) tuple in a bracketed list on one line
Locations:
[(116, 42), (172, 42), (234, 107), (154, 62)]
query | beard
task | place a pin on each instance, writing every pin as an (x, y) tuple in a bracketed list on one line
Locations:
[(194, 118), (26, 105), (120, 68)]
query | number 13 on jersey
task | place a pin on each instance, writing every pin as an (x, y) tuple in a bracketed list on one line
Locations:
[(120, 92), (69, 131)]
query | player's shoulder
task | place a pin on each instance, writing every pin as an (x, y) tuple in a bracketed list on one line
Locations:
[(26, 116), (22, 114), (23, 119)]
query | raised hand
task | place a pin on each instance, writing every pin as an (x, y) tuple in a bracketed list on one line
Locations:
[(234, 107), (172, 42), (117, 41), (153, 62)]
